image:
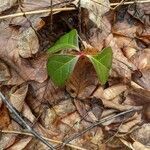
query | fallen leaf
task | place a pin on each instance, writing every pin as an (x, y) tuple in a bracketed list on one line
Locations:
[(28, 43), (21, 144), (144, 80), (4, 5), (139, 146), (96, 9), (134, 120), (17, 96), (4, 117), (142, 134), (143, 12), (83, 80), (4, 72)]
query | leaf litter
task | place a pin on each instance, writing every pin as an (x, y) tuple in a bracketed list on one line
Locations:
[(59, 113)]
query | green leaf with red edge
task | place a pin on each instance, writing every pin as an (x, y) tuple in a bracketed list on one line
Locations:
[(67, 41), (60, 68), (102, 63)]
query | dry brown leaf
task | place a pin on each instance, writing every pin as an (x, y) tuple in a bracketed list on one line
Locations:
[(144, 80), (142, 59), (21, 144), (126, 29), (31, 5), (83, 80), (139, 146), (4, 117), (74, 121), (142, 134), (6, 4), (4, 72), (17, 96), (140, 12), (65, 107), (28, 43), (96, 9), (120, 63), (8, 139), (114, 91), (34, 69), (126, 127)]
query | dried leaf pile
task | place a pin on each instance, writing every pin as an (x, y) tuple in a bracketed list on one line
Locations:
[(59, 114)]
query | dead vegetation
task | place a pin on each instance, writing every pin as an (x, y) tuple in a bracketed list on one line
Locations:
[(84, 114)]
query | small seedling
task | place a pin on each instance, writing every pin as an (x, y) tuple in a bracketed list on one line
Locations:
[(61, 65)]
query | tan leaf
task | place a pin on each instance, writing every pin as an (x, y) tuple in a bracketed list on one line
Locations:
[(139, 146), (126, 127), (142, 134), (21, 144), (17, 96), (28, 43), (144, 80)]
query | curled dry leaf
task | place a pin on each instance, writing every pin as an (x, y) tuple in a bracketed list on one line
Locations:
[(114, 91), (17, 96), (134, 120)]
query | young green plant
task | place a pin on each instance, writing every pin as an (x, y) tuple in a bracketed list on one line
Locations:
[(60, 66)]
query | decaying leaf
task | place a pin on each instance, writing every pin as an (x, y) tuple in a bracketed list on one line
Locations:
[(83, 80), (126, 127), (6, 4), (4, 117), (17, 96), (142, 134), (28, 43), (4, 72), (96, 9)]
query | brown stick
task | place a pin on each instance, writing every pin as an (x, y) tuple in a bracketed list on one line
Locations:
[(36, 12)]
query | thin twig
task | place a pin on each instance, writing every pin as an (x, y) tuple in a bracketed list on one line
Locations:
[(132, 2), (96, 124), (22, 122), (36, 12), (50, 140)]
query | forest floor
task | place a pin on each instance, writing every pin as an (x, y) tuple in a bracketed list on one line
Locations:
[(82, 115)]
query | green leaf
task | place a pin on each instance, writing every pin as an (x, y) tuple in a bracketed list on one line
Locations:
[(67, 41), (60, 68), (102, 63)]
